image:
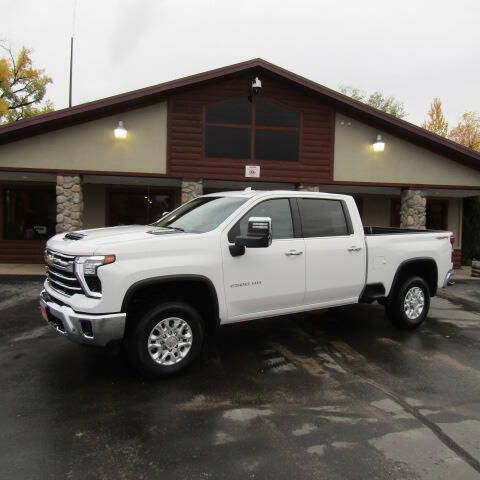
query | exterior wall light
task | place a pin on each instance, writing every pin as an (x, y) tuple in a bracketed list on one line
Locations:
[(379, 144), (120, 131)]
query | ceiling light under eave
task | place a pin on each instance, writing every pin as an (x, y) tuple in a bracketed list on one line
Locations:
[(120, 131), (379, 144)]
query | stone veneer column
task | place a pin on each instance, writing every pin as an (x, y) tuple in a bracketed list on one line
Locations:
[(308, 187), (69, 203), (191, 189), (413, 209)]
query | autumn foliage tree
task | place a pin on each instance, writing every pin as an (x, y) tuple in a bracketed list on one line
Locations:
[(22, 87), (467, 131), (436, 121)]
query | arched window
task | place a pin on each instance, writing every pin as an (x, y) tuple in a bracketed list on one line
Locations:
[(259, 130)]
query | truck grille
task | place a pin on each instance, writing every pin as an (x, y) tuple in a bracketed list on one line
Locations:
[(61, 273)]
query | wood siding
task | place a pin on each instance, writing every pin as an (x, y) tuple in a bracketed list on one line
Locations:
[(186, 135)]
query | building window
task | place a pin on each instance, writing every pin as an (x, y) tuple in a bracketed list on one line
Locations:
[(29, 213), (436, 214), (259, 130), (136, 207)]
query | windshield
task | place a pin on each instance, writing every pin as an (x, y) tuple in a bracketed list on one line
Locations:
[(201, 215)]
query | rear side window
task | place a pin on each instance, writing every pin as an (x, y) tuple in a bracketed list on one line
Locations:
[(277, 209), (322, 218)]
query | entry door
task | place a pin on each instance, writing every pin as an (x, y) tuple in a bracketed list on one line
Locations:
[(335, 254), (265, 279)]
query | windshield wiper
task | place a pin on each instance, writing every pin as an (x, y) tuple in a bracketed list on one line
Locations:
[(178, 229)]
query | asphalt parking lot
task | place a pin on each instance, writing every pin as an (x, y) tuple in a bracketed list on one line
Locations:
[(334, 395)]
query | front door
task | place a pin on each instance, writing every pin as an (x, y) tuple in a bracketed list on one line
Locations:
[(265, 279), (335, 254)]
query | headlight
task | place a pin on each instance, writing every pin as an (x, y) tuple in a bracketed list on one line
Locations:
[(86, 273), (88, 265)]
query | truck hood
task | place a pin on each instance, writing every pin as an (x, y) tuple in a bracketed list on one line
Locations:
[(86, 242)]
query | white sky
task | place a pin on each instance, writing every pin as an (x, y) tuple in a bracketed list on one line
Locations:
[(412, 49)]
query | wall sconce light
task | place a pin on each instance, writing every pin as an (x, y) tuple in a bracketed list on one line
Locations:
[(120, 131), (379, 144)]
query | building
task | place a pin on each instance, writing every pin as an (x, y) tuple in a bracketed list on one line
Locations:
[(67, 169)]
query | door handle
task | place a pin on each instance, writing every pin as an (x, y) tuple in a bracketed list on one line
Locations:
[(292, 253), (354, 249)]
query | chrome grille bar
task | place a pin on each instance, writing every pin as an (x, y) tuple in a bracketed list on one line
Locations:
[(61, 273)]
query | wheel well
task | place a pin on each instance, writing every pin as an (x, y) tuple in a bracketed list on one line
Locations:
[(425, 268), (198, 292)]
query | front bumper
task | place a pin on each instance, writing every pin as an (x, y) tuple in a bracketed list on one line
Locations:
[(81, 327)]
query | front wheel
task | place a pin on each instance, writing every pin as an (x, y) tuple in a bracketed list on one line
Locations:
[(166, 339), (409, 306)]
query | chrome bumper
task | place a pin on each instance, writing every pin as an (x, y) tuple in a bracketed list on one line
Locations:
[(82, 327), (448, 279)]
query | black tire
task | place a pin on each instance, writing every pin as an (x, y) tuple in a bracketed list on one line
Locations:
[(396, 308), (137, 339)]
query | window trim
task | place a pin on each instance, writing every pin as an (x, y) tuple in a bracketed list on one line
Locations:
[(296, 232), (346, 215), (253, 127)]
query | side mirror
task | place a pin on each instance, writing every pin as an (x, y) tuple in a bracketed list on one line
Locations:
[(259, 235)]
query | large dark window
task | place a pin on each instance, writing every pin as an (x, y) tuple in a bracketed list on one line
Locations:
[(137, 207), (258, 130), (227, 142), (277, 209), (29, 214), (322, 218)]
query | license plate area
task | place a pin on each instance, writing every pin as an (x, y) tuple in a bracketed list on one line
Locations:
[(54, 321)]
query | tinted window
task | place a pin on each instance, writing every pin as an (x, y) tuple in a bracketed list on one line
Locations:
[(278, 210), (202, 214), (273, 114), (276, 145), (322, 218), (227, 142), (237, 111)]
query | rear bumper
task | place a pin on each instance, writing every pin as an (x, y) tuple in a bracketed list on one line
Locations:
[(81, 327), (448, 278)]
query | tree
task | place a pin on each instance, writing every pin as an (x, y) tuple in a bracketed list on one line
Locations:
[(467, 132), (377, 100), (22, 87), (436, 122)]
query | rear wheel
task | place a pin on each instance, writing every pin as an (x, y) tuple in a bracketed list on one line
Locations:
[(166, 339), (409, 306)]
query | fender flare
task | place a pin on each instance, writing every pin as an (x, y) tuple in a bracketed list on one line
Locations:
[(404, 264), (168, 279)]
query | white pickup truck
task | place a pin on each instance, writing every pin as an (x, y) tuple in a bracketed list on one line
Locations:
[(229, 257)]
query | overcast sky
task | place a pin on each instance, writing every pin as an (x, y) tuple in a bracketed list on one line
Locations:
[(412, 49)]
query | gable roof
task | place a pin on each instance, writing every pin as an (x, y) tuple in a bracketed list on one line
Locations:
[(149, 95)]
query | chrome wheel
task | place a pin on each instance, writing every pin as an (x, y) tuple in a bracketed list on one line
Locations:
[(170, 341), (414, 303)]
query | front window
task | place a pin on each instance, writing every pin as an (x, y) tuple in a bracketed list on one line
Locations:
[(29, 213), (277, 209), (258, 130), (135, 207), (201, 215)]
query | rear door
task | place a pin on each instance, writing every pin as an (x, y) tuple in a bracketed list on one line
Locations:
[(264, 280), (335, 253)]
